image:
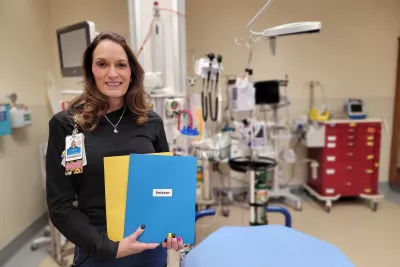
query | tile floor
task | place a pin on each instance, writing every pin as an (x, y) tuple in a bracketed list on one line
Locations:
[(368, 238)]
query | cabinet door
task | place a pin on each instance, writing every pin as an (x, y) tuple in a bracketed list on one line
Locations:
[(395, 147)]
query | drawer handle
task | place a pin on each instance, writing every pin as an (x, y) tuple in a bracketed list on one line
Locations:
[(351, 144), (348, 184), (351, 130), (351, 137), (330, 171), (369, 171), (350, 154), (349, 167)]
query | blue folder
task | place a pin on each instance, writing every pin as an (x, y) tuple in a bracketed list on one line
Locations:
[(161, 194)]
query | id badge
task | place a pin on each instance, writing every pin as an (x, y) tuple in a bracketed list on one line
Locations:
[(73, 147), (74, 155), (84, 161)]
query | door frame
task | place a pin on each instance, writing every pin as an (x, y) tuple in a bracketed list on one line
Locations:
[(394, 179)]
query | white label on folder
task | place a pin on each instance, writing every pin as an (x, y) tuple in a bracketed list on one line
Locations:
[(162, 192)]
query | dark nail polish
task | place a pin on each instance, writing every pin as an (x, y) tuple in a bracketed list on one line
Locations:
[(143, 226), (165, 240), (173, 235)]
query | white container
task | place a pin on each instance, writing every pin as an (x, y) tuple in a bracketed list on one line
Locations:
[(17, 118)]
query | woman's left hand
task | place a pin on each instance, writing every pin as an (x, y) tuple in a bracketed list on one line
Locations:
[(173, 242)]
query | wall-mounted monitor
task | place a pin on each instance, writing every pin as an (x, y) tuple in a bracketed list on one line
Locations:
[(72, 42)]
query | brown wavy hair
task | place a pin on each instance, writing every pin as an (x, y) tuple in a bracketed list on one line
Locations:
[(94, 103)]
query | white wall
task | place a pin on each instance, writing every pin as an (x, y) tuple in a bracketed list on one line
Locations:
[(23, 52), (355, 55)]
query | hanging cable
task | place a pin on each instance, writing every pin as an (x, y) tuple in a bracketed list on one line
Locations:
[(150, 32)]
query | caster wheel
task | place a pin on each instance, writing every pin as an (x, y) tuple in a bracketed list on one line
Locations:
[(34, 247), (298, 206), (328, 209), (225, 212), (374, 206)]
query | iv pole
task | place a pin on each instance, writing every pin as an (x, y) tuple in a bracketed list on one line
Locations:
[(271, 34)]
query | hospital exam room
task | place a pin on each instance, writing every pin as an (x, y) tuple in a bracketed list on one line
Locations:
[(291, 110)]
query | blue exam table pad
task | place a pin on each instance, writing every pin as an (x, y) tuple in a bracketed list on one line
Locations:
[(264, 246)]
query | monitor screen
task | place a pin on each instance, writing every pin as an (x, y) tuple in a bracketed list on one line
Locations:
[(356, 108), (73, 45), (72, 42), (267, 92)]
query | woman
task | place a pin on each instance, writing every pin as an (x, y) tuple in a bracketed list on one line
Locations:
[(112, 114)]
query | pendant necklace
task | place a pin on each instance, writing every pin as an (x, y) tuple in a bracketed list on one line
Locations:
[(116, 125)]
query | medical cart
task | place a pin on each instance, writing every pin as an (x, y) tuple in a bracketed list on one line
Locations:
[(348, 156)]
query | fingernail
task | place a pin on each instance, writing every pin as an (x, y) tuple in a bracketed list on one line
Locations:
[(169, 235), (173, 235), (165, 240), (179, 239), (143, 226)]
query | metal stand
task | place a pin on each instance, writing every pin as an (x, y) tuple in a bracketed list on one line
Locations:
[(206, 197), (250, 165), (57, 250), (276, 191), (42, 241), (329, 199), (200, 214)]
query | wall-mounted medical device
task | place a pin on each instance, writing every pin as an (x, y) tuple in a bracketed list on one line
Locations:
[(20, 115), (241, 95), (267, 92), (5, 122), (355, 109), (173, 106), (72, 42), (13, 115)]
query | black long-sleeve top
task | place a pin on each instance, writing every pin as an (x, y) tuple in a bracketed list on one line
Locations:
[(79, 224)]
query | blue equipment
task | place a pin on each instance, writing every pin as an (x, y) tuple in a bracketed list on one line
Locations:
[(355, 109), (194, 262), (5, 122)]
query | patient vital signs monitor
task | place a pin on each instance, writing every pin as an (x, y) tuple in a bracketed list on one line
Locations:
[(72, 41)]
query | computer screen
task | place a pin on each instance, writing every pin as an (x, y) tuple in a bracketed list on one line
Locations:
[(73, 45), (356, 108), (72, 42)]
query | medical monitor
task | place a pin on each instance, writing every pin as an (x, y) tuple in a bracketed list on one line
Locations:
[(72, 42)]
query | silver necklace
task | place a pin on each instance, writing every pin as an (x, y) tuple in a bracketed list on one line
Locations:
[(116, 125)]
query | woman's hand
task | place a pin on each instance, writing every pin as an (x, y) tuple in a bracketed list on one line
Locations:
[(129, 245), (171, 242)]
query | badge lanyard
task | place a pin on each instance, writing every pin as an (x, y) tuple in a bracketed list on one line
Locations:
[(74, 155)]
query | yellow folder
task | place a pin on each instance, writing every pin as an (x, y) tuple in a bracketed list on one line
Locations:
[(116, 171)]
